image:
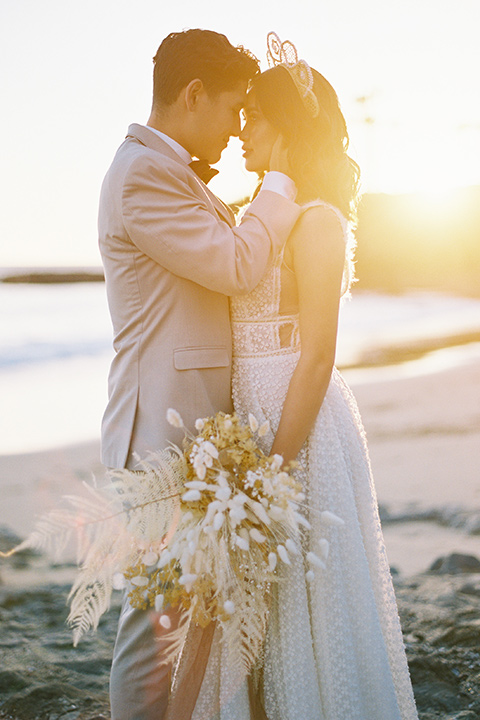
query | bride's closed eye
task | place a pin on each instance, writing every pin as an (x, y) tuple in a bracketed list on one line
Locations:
[(250, 115)]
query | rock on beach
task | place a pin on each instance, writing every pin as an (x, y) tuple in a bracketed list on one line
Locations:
[(42, 676)]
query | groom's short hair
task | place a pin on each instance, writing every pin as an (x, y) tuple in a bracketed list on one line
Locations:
[(204, 54)]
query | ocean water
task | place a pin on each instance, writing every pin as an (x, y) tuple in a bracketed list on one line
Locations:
[(55, 352)]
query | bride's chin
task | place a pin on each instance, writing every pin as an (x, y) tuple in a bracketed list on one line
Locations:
[(250, 167)]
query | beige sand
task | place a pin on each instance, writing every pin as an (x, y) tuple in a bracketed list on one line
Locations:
[(423, 425)]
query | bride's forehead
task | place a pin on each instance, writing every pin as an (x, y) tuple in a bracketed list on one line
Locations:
[(251, 102)]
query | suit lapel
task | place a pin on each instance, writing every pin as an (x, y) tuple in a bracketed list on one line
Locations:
[(150, 139), (153, 141)]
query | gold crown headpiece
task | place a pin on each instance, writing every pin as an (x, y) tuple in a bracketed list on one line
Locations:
[(285, 54)]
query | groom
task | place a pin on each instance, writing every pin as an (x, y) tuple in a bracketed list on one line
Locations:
[(172, 256)]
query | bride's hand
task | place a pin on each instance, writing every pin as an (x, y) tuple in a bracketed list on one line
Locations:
[(279, 156)]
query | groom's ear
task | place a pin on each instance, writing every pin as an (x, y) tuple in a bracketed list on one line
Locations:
[(193, 91)]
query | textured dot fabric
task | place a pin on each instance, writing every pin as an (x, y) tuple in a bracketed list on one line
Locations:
[(334, 648)]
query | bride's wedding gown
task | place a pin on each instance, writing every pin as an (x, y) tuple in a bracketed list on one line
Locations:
[(334, 648)]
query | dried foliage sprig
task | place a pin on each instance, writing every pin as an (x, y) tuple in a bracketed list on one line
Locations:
[(205, 530)]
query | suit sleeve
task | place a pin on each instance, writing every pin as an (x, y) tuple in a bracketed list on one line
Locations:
[(172, 224)]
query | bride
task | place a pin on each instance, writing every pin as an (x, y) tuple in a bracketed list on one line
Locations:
[(334, 648)]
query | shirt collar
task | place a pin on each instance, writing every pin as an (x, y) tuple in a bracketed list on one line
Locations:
[(181, 152)]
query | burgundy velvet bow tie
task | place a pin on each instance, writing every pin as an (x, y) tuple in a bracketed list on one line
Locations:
[(203, 170)]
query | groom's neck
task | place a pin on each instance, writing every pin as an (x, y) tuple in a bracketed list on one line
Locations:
[(171, 124)]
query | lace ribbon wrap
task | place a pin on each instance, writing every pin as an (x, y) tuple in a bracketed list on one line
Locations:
[(285, 54), (257, 339)]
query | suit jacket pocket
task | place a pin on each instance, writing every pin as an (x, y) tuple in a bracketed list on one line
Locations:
[(200, 357)]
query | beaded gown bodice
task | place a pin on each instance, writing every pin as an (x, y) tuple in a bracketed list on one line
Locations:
[(334, 648), (265, 322)]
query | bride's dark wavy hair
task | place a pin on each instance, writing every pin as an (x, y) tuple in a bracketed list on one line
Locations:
[(317, 146)]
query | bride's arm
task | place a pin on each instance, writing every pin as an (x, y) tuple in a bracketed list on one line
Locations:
[(318, 248)]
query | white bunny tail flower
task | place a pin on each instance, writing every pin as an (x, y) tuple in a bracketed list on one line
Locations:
[(223, 493), (257, 536), (291, 547), (237, 513), (263, 429), (283, 554), (310, 576), (253, 422), (140, 581), (240, 498), (324, 547), (259, 511), (315, 560), (210, 449), (272, 561), (118, 581), (158, 603), (277, 462), (165, 622), (222, 479), (200, 470), (174, 418), (229, 607), (188, 579), (302, 520), (330, 518), (165, 558), (243, 532), (196, 485), (191, 496), (150, 558), (218, 520), (242, 544), (276, 512), (199, 424)]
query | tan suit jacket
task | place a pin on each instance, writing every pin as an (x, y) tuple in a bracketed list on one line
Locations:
[(172, 256)]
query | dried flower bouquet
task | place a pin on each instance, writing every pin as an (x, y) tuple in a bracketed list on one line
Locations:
[(206, 529)]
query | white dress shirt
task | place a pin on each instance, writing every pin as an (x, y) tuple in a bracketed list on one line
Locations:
[(274, 181)]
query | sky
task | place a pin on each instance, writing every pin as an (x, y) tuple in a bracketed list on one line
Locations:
[(74, 75)]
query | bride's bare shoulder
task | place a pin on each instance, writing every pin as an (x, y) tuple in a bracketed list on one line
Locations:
[(320, 223)]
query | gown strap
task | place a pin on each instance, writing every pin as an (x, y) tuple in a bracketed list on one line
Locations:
[(332, 208)]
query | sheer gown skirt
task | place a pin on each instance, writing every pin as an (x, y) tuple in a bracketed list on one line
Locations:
[(334, 648)]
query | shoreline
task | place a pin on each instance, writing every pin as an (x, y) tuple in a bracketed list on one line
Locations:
[(51, 275), (408, 351), (423, 429)]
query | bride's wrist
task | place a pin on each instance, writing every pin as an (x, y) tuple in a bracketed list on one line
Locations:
[(279, 182)]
